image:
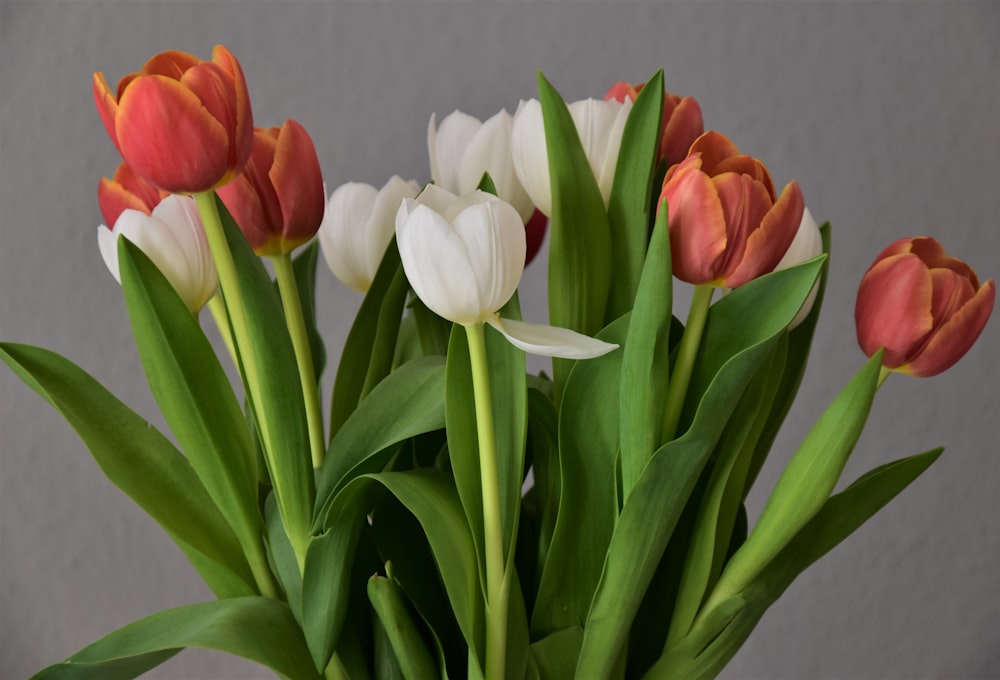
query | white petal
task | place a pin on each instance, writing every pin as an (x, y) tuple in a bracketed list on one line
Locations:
[(550, 341), (494, 239), (107, 242), (342, 234), (530, 157), (600, 125), (447, 145), (436, 263), (436, 198), (382, 221), (807, 244)]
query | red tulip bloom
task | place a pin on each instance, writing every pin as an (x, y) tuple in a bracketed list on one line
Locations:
[(278, 201), (534, 234), (183, 124), (682, 120), (126, 191), (727, 227), (925, 308)]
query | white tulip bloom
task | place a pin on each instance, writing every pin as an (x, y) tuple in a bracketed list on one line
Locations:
[(358, 226), (600, 125), (464, 257), (807, 244), (174, 239), (463, 148)]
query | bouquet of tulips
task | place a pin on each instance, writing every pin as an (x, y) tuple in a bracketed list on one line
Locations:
[(448, 514)]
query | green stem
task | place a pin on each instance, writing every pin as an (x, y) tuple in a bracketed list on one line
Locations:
[(296, 323), (218, 309), (496, 601), (701, 300), (882, 375)]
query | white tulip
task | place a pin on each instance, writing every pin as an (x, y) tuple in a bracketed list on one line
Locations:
[(358, 226), (807, 244), (464, 257), (463, 148), (174, 239), (600, 125)]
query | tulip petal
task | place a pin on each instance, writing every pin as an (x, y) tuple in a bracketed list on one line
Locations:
[(714, 147), (381, 223), (697, 225), (447, 145), (298, 183), (113, 198), (189, 161), (807, 244), (956, 336), (600, 125), (684, 125), (489, 150), (107, 106), (530, 157), (343, 236), (768, 243), (242, 139), (495, 244), (550, 341), (107, 243), (893, 309)]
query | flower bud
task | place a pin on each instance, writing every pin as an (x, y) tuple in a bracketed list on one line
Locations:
[(924, 308), (726, 225), (172, 237), (278, 200), (358, 226), (682, 120), (126, 190), (183, 124)]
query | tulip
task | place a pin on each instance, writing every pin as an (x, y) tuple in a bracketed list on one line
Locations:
[(183, 124), (682, 120), (600, 125), (126, 190), (358, 226), (463, 148), (173, 238), (278, 200), (726, 225), (924, 308), (464, 257)]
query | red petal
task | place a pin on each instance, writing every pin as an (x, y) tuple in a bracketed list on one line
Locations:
[(534, 234), (172, 64), (681, 128), (242, 139), (107, 106), (714, 147), (298, 183), (167, 136), (771, 235), (243, 201), (893, 308), (113, 199), (956, 336), (621, 91), (697, 225)]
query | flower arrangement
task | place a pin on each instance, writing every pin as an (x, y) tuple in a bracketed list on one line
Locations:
[(453, 515)]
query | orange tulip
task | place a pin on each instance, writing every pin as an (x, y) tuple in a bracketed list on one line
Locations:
[(726, 225), (682, 120), (278, 201), (126, 190), (925, 308), (183, 124)]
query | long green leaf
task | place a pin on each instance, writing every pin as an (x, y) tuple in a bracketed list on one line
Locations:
[(193, 393), (304, 267), (628, 207), (404, 637), (255, 628), (141, 462)]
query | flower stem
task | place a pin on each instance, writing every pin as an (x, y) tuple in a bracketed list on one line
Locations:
[(303, 354), (218, 309), (497, 598), (701, 300)]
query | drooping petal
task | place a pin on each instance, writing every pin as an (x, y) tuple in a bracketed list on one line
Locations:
[(956, 336), (531, 161), (767, 243), (893, 308), (549, 341)]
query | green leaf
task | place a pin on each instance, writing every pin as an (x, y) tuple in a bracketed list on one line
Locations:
[(555, 655), (255, 628), (275, 391), (141, 462), (588, 500), (628, 206), (433, 332), (283, 561), (193, 393), (371, 342), (579, 235), (806, 482), (662, 492), (407, 644), (407, 403), (304, 267), (646, 357), (543, 428)]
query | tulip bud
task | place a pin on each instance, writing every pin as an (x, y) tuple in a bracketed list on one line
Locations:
[(172, 237), (126, 190), (358, 226), (726, 225), (682, 120), (464, 257), (183, 124), (924, 308), (278, 200), (600, 125)]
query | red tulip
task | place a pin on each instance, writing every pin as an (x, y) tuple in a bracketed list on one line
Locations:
[(534, 233), (126, 191), (278, 201), (183, 124), (726, 225), (925, 308), (682, 121)]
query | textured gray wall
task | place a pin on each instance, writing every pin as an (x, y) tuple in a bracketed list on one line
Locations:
[(886, 113)]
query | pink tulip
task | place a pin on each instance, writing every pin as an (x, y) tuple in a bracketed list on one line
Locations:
[(924, 308)]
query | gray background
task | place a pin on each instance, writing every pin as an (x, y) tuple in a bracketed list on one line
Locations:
[(886, 113)]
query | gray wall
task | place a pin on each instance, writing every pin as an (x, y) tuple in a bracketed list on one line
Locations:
[(886, 113)]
